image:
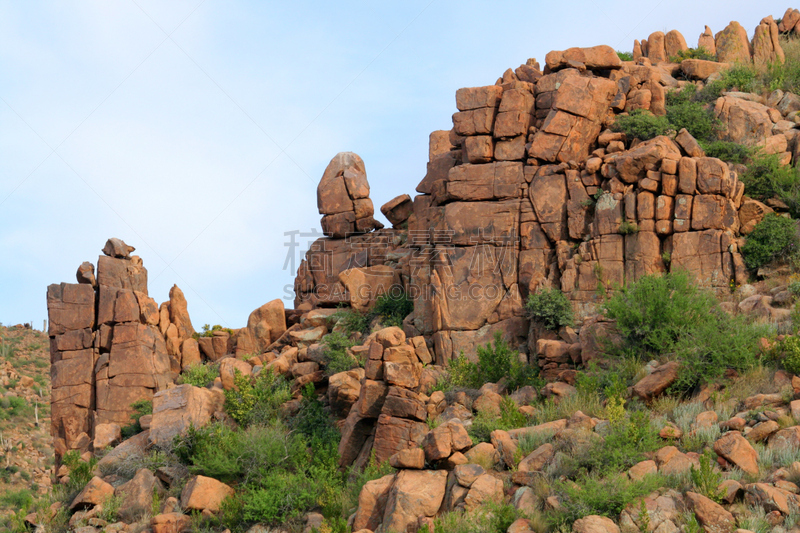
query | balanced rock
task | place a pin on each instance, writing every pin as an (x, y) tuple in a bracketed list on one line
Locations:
[(343, 197)]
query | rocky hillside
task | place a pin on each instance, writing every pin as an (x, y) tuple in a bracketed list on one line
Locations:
[(587, 320), (26, 450)]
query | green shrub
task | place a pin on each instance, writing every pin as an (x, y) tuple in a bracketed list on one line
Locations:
[(693, 53), (766, 178), (655, 311), (693, 116), (393, 309), (256, 400), (550, 308), (669, 315), (630, 437), (730, 152), (741, 77), (641, 124), (140, 408), (337, 358), (351, 321), (208, 331), (495, 362), (510, 418), (17, 499), (775, 237), (591, 495), (200, 375), (787, 352), (794, 288), (625, 56), (628, 228), (706, 480)]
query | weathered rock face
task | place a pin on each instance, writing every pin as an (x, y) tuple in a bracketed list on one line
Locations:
[(106, 350), (571, 209), (343, 197)]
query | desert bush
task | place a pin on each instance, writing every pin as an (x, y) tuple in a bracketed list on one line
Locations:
[(668, 314), (641, 124), (510, 418), (551, 308), (351, 321), (141, 408), (208, 331), (684, 111), (627, 227), (256, 400), (787, 353), (392, 308), (591, 495), (693, 53), (201, 375), (16, 500), (706, 480), (775, 237), (630, 437), (625, 56), (766, 178), (655, 311), (495, 362), (730, 152), (337, 358)]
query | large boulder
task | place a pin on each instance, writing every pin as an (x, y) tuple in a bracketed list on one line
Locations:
[(204, 494), (737, 450), (745, 122), (175, 409), (415, 493), (343, 197), (601, 57), (732, 44)]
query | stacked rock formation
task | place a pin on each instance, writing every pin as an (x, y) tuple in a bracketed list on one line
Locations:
[(343, 197), (389, 415), (106, 349), (531, 188), (731, 45)]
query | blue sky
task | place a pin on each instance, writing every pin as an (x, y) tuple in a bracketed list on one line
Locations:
[(197, 131)]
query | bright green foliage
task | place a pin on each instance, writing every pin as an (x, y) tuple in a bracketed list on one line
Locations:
[(200, 375), (765, 178), (141, 408), (208, 331), (706, 480), (727, 151), (256, 400), (551, 308), (641, 124), (393, 309), (495, 362), (510, 418), (14, 406), (655, 311), (337, 359), (773, 238), (693, 53), (628, 228), (787, 352), (602, 496), (630, 437), (685, 110), (740, 77), (351, 321), (669, 315), (625, 56), (716, 343), (390, 308), (16, 499)]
